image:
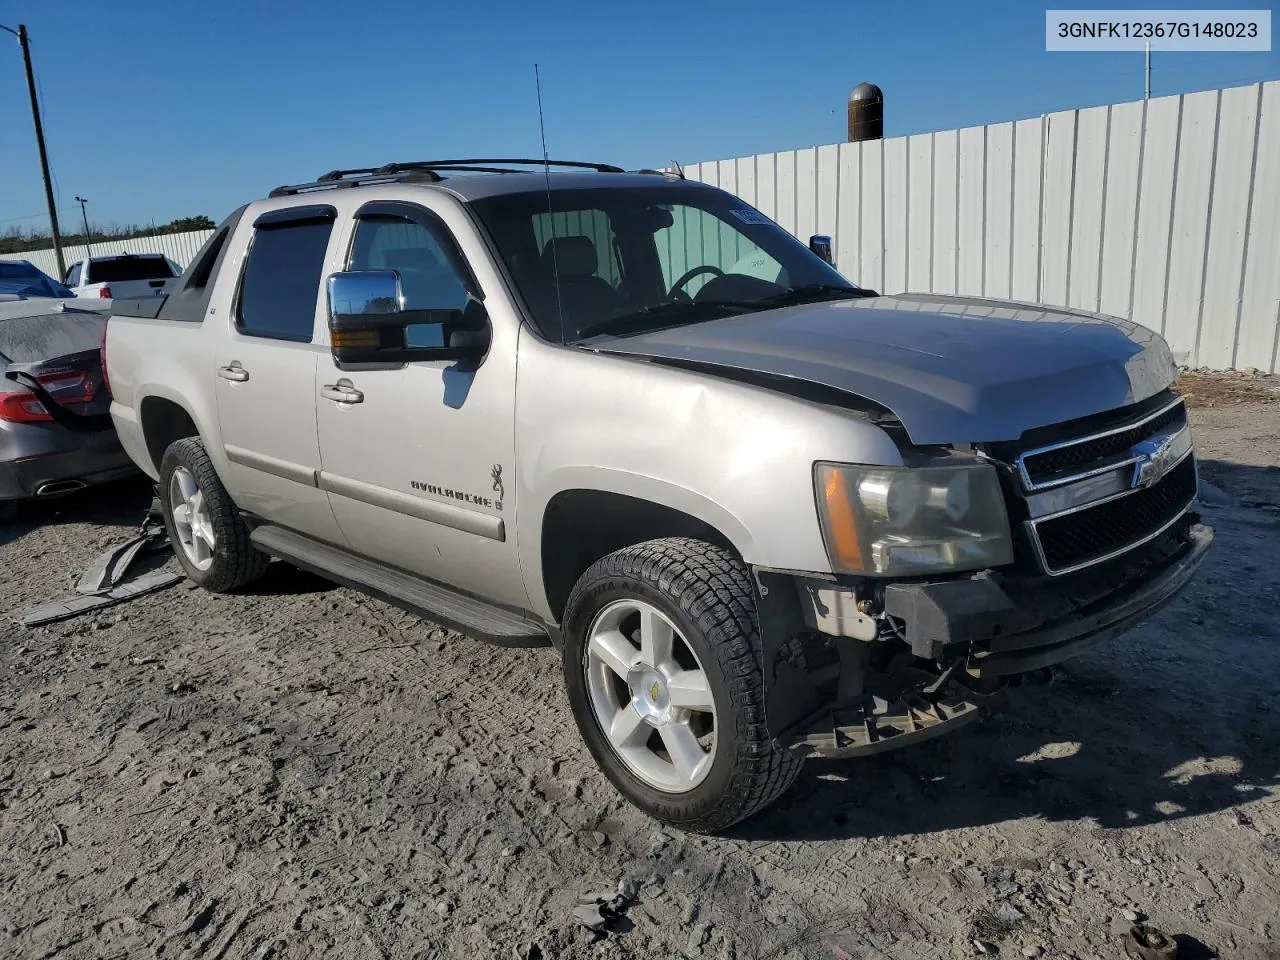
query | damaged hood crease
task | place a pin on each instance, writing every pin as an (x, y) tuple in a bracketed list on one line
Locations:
[(951, 369)]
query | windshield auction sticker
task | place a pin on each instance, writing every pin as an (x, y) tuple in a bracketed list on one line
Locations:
[(1215, 30)]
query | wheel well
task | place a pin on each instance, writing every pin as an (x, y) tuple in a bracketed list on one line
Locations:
[(581, 526), (163, 422)]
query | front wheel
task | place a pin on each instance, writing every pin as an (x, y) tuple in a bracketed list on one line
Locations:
[(209, 537), (662, 665)]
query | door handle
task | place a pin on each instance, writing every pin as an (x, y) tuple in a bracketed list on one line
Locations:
[(234, 371), (341, 392)]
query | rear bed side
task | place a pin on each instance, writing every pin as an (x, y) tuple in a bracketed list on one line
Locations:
[(160, 360)]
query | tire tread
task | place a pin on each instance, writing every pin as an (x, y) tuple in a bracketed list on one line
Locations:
[(237, 562), (714, 588)]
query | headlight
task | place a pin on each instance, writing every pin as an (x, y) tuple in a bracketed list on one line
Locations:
[(909, 521)]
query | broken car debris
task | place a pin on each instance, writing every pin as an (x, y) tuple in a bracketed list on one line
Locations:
[(105, 581)]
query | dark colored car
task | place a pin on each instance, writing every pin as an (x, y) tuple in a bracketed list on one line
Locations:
[(21, 279), (56, 435)]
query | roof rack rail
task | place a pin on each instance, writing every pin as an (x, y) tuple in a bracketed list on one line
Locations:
[(426, 170), (475, 163), (356, 178)]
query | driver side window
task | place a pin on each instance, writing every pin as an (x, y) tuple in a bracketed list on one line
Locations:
[(428, 281), (698, 238)]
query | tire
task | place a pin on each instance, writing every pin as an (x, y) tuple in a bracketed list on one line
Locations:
[(705, 594), (231, 561)]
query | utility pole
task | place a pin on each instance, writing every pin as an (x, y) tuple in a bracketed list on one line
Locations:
[(88, 247), (1148, 97), (21, 34)]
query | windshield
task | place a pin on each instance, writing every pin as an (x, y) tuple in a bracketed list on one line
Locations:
[(120, 269), (23, 280), (639, 258)]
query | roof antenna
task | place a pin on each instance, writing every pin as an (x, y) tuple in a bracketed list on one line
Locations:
[(551, 219)]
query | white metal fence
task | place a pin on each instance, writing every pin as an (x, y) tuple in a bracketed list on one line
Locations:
[(1165, 212), (179, 247)]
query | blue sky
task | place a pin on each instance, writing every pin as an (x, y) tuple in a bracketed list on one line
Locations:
[(156, 109)]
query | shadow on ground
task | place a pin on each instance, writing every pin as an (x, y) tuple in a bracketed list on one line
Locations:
[(121, 504), (1249, 485)]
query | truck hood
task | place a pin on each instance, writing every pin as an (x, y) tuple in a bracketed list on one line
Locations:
[(951, 369)]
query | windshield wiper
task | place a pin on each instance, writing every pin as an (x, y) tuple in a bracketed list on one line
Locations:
[(814, 292), (670, 314)]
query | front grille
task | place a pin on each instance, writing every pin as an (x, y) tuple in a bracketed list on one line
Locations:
[(1077, 457), (1091, 534)]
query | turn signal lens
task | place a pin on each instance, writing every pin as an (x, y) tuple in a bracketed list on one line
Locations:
[(836, 509), (358, 339)]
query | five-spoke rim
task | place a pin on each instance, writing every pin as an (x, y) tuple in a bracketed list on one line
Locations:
[(650, 696), (191, 521)]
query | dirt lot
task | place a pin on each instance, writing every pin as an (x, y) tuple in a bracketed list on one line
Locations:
[(302, 772)]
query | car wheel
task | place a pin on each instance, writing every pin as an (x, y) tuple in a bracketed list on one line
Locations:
[(209, 537), (662, 665)]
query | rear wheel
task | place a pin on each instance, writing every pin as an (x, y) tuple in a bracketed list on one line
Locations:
[(662, 665), (209, 537)]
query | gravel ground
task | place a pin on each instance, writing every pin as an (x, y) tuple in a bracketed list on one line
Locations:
[(300, 771)]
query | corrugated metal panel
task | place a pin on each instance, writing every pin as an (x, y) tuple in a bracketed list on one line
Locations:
[(828, 189), (920, 212), (1165, 212), (946, 168), (998, 214), (1055, 235), (846, 237), (895, 214), (972, 207), (785, 190), (747, 180), (766, 184), (1233, 177), (1259, 309), (872, 245), (1028, 173), (1155, 212), (806, 194), (1120, 211), (1090, 182), (1196, 139)]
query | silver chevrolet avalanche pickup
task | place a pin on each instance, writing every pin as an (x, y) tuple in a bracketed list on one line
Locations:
[(761, 512)]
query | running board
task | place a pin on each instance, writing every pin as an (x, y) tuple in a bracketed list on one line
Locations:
[(427, 599)]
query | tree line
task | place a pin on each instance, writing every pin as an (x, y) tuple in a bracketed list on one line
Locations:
[(18, 240)]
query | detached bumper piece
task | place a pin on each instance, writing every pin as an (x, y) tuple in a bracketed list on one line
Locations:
[(923, 706), (105, 583)]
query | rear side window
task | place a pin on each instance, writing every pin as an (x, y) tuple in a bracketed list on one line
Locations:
[(120, 269), (281, 282), (73, 277)]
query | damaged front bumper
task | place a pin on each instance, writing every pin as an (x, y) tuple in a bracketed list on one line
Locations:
[(953, 646), (1014, 626)]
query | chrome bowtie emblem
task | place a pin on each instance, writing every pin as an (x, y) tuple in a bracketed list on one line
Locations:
[(1155, 458)]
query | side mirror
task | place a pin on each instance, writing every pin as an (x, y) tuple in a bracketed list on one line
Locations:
[(368, 324), (821, 245)]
